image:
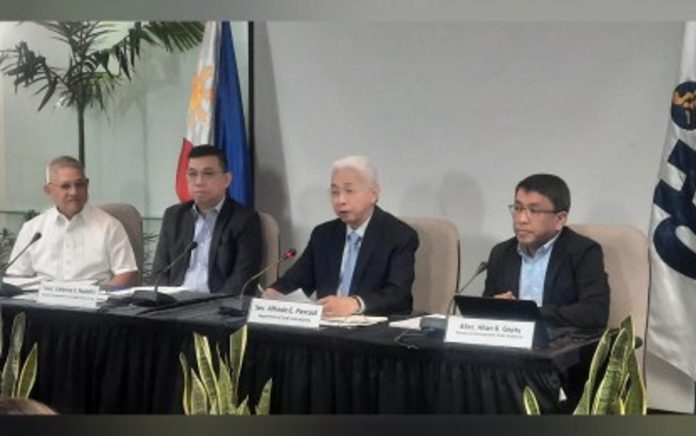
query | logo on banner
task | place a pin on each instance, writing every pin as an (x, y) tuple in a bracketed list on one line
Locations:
[(679, 204), (684, 105)]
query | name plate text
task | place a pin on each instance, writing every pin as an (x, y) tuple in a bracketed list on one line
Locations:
[(493, 332), (284, 313), (72, 294)]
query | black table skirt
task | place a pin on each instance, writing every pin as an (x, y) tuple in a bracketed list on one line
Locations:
[(119, 363), (365, 371), (100, 363)]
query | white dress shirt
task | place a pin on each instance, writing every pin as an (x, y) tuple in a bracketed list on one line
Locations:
[(93, 245)]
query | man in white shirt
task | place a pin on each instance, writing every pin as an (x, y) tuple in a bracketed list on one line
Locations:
[(78, 241)]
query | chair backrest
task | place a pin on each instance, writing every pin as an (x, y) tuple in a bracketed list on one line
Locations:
[(133, 224), (627, 265), (270, 235), (437, 263)]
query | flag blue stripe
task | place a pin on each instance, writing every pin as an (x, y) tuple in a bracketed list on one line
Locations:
[(230, 128)]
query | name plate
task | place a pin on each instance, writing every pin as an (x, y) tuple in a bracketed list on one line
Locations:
[(284, 313), (72, 294), (493, 332)]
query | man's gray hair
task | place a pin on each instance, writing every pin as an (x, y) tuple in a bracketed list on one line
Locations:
[(63, 162), (361, 164)]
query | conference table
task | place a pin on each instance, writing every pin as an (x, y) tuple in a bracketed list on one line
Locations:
[(125, 359)]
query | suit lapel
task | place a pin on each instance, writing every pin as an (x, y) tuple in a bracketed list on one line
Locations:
[(513, 270), (335, 246), (186, 231), (225, 213), (555, 262), (373, 234)]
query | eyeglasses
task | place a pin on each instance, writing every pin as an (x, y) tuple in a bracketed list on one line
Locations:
[(528, 211), (77, 184), (206, 175)]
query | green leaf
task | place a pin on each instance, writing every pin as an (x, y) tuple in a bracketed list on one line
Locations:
[(264, 405), (226, 393), (205, 368), (609, 390), (598, 359), (636, 403), (243, 409), (531, 406), (28, 375), (199, 397), (238, 342), (186, 400), (11, 370)]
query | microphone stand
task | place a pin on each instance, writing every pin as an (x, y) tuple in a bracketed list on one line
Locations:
[(240, 305), (437, 326), (7, 290), (154, 298)]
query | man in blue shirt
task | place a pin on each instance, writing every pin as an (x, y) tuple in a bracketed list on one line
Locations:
[(562, 271), (227, 234)]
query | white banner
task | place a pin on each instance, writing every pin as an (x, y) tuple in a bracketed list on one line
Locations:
[(672, 314)]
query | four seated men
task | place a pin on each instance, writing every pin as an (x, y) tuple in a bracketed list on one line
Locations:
[(360, 262)]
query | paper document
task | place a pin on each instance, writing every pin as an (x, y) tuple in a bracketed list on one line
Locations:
[(297, 296), (25, 283), (163, 289), (351, 321), (414, 323)]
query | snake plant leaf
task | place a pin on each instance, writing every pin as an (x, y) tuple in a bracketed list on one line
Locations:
[(219, 394), (243, 409), (204, 359), (17, 332), (264, 405), (238, 342), (199, 397), (598, 359), (636, 403), (227, 394), (531, 406), (609, 390), (28, 375), (11, 370), (186, 401)]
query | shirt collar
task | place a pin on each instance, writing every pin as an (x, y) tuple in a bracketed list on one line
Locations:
[(217, 208), (360, 231), (81, 216), (541, 250)]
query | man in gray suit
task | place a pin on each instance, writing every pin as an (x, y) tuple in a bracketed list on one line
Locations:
[(228, 234)]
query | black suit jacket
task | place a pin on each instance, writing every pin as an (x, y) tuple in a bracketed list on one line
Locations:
[(235, 248), (384, 269), (576, 291)]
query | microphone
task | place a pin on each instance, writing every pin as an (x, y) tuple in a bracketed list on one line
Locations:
[(240, 306), (437, 325), (6, 289), (154, 298), (286, 256), (481, 268)]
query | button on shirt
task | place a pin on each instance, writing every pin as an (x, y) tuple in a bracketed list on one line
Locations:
[(92, 245), (197, 273), (533, 271)]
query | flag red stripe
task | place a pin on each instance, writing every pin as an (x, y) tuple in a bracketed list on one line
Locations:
[(181, 185)]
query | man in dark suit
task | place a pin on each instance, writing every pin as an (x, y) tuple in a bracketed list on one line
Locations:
[(228, 235), (547, 262), (362, 262)]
